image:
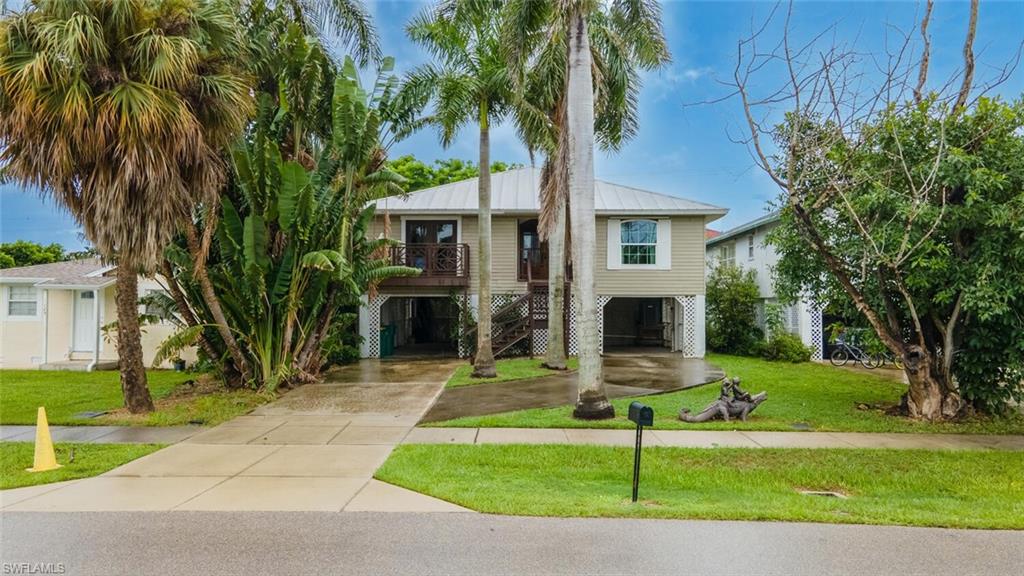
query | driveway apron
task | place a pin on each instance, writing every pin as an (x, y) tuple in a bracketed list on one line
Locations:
[(315, 448)]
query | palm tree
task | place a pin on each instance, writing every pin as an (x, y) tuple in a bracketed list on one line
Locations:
[(471, 85), (566, 40), (119, 110)]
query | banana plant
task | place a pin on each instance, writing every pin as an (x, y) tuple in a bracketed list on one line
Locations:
[(292, 245)]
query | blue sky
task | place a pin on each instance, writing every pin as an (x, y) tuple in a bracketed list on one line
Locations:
[(680, 150)]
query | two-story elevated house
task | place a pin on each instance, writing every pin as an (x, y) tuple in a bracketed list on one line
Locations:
[(649, 274), (746, 246)]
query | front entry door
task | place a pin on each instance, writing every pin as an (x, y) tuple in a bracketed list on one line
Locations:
[(85, 321)]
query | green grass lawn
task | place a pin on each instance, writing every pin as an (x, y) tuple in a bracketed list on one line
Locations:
[(823, 397), (508, 369), (65, 394), (919, 488), (90, 460)]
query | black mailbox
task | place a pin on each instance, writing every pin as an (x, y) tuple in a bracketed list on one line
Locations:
[(642, 414)]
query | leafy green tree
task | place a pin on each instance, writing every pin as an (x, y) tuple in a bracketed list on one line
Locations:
[(25, 253), (905, 201), (938, 212), (120, 111), (731, 310), (419, 175)]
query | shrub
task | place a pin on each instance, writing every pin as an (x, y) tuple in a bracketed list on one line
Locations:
[(785, 347), (732, 299)]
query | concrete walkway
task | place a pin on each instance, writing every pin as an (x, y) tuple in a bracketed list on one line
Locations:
[(104, 434), (713, 438), (315, 449)]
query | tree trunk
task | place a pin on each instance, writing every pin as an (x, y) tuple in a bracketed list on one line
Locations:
[(929, 395), (129, 342), (213, 303), (554, 356), (591, 403), (483, 364)]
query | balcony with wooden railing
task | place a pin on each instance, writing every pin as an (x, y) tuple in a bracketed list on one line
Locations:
[(439, 264)]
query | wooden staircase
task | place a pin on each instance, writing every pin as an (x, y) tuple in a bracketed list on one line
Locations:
[(513, 325)]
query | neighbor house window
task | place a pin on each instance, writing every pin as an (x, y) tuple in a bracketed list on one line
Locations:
[(22, 301), (750, 247), (639, 242), (727, 254)]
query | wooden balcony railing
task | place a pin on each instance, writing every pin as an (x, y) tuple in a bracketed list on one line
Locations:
[(439, 264)]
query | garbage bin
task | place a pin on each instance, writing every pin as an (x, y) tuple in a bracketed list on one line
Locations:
[(387, 340)]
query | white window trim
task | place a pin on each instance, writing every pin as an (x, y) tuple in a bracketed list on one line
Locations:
[(663, 252), (723, 251), (6, 298), (751, 247)]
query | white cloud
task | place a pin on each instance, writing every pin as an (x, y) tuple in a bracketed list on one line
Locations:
[(664, 82)]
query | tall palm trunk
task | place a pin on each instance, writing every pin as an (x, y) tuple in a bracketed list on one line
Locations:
[(591, 403), (483, 364), (554, 356), (129, 342)]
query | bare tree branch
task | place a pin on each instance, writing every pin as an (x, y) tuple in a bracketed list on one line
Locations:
[(965, 87), (926, 53)]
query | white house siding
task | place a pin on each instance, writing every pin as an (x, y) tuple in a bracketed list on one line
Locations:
[(803, 318)]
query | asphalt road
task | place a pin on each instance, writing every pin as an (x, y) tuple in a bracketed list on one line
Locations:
[(184, 543)]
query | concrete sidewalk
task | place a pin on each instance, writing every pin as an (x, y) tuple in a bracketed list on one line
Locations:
[(713, 438), (301, 453), (104, 434)]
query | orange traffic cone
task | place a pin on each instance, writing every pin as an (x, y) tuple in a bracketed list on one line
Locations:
[(45, 458)]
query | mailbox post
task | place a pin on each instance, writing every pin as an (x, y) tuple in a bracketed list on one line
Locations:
[(642, 415)]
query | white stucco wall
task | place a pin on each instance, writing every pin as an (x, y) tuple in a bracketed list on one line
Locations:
[(21, 339)]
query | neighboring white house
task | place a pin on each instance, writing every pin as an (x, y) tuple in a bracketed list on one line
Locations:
[(746, 246), (52, 315), (649, 275)]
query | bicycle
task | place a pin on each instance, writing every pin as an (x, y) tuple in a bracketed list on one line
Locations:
[(846, 351)]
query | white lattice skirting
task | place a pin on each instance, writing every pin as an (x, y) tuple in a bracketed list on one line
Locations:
[(572, 327), (818, 345), (373, 311), (688, 339)]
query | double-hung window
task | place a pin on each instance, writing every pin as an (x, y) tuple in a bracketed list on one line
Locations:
[(22, 301), (639, 242), (727, 254)]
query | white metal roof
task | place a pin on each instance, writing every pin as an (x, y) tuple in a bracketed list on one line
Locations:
[(746, 227), (517, 191)]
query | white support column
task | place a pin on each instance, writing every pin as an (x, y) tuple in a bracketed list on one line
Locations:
[(699, 325), (364, 327), (96, 337), (46, 325)]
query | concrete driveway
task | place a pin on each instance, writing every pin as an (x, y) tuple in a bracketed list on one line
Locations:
[(633, 372), (314, 449)]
